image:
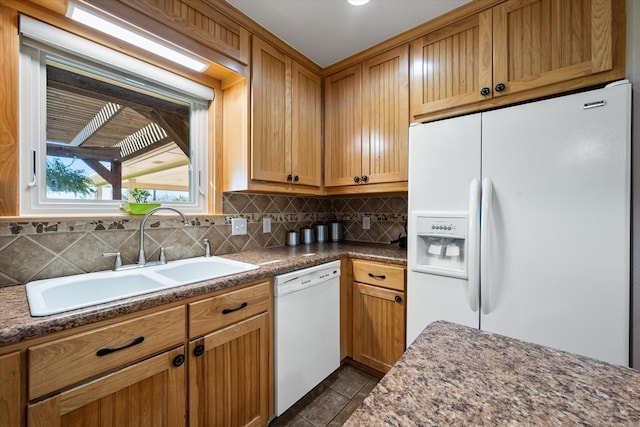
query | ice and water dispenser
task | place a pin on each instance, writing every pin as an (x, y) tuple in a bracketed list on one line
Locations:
[(441, 244)]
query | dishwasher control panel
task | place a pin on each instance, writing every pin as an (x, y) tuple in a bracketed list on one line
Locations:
[(301, 279)]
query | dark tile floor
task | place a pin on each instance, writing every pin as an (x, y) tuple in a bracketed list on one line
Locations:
[(331, 402)]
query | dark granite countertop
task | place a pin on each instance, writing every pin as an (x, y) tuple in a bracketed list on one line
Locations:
[(455, 375), (16, 323)]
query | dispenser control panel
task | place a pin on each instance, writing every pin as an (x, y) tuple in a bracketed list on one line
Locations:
[(453, 227)]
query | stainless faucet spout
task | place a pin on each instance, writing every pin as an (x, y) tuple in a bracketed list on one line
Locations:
[(142, 260)]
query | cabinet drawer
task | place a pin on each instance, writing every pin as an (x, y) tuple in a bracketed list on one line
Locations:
[(66, 361), (375, 273), (222, 310)]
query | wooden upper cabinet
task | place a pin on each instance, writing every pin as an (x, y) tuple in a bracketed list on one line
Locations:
[(450, 66), (201, 22), (286, 122), (539, 42), (343, 127), (385, 117), (516, 51), (366, 123), (306, 126), (271, 119)]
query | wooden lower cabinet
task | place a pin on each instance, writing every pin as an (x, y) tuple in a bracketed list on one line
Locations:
[(147, 393), (379, 326), (11, 386), (379, 311), (229, 375)]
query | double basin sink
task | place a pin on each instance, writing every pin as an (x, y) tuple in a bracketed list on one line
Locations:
[(50, 296)]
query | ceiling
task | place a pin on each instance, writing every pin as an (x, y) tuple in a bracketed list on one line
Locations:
[(327, 31)]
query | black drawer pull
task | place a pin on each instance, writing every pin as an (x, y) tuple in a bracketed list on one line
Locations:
[(376, 276), (231, 310), (105, 351), (398, 298)]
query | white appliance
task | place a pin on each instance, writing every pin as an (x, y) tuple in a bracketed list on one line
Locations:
[(307, 331), (519, 223)]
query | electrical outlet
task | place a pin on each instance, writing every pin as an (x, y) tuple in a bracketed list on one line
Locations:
[(238, 226), (266, 225), (366, 223)]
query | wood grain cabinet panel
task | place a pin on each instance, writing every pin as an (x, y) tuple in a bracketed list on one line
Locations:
[(222, 310), (229, 375), (306, 126), (385, 117), (539, 42), (379, 326), (66, 361), (149, 393), (343, 127), (516, 51), (451, 65), (379, 312), (11, 390), (366, 123), (201, 22), (286, 120), (271, 120)]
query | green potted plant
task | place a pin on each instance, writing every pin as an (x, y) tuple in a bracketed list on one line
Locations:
[(141, 206)]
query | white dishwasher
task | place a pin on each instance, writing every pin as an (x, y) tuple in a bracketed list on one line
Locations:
[(307, 330)]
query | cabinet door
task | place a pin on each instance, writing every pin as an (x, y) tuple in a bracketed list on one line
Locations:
[(343, 128), (306, 126), (379, 326), (451, 66), (229, 376), (270, 121), (385, 117), (11, 391), (150, 393), (540, 42)]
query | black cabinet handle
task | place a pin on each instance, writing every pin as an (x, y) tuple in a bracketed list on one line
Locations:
[(231, 310), (296, 178), (289, 178), (198, 350), (105, 351), (500, 87), (365, 178), (356, 179), (178, 360), (375, 276), (485, 91), (398, 298)]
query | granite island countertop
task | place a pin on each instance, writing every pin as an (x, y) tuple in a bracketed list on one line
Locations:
[(17, 324), (455, 375)]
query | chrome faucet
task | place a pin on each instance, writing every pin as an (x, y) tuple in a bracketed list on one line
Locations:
[(142, 260)]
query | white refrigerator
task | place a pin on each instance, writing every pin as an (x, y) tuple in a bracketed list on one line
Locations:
[(519, 223)]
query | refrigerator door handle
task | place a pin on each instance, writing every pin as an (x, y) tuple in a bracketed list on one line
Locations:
[(485, 244), (473, 282)]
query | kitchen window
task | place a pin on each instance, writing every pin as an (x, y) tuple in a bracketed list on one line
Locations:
[(95, 124)]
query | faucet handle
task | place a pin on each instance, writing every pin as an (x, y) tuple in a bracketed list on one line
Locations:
[(163, 258), (207, 248), (118, 259)]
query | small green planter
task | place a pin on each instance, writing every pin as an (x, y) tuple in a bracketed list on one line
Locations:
[(138, 208)]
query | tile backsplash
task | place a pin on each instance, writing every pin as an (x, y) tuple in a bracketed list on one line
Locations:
[(31, 250)]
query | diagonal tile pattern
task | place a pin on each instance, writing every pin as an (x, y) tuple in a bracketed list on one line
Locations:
[(331, 402), (71, 246)]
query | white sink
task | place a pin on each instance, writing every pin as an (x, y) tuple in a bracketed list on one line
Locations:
[(50, 296), (197, 269)]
